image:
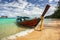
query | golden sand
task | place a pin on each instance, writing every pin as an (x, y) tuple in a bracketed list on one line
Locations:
[(47, 33), (50, 31)]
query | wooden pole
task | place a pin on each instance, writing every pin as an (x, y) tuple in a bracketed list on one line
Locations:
[(40, 25), (42, 16)]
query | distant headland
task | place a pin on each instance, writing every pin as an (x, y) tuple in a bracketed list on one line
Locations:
[(4, 17)]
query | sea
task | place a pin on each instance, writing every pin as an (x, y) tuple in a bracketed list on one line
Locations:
[(9, 27)]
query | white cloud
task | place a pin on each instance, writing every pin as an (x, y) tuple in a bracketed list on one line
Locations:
[(22, 8), (50, 1), (56, 0)]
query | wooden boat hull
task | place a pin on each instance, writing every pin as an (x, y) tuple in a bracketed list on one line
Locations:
[(30, 23)]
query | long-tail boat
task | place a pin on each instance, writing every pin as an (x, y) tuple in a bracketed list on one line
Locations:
[(32, 22)]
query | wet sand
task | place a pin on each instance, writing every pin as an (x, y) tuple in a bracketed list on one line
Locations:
[(51, 31)]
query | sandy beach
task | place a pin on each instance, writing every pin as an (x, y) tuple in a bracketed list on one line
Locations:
[(45, 34), (51, 31)]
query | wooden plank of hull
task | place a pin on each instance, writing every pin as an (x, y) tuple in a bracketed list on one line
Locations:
[(30, 23)]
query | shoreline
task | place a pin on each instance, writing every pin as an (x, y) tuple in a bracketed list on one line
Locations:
[(20, 34)]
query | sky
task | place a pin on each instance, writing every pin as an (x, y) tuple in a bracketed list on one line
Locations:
[(30, 8)]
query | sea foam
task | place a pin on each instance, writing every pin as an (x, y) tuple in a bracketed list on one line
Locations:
[(23, 33)]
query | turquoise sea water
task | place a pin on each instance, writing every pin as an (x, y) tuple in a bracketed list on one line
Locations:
[(8, 27)]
